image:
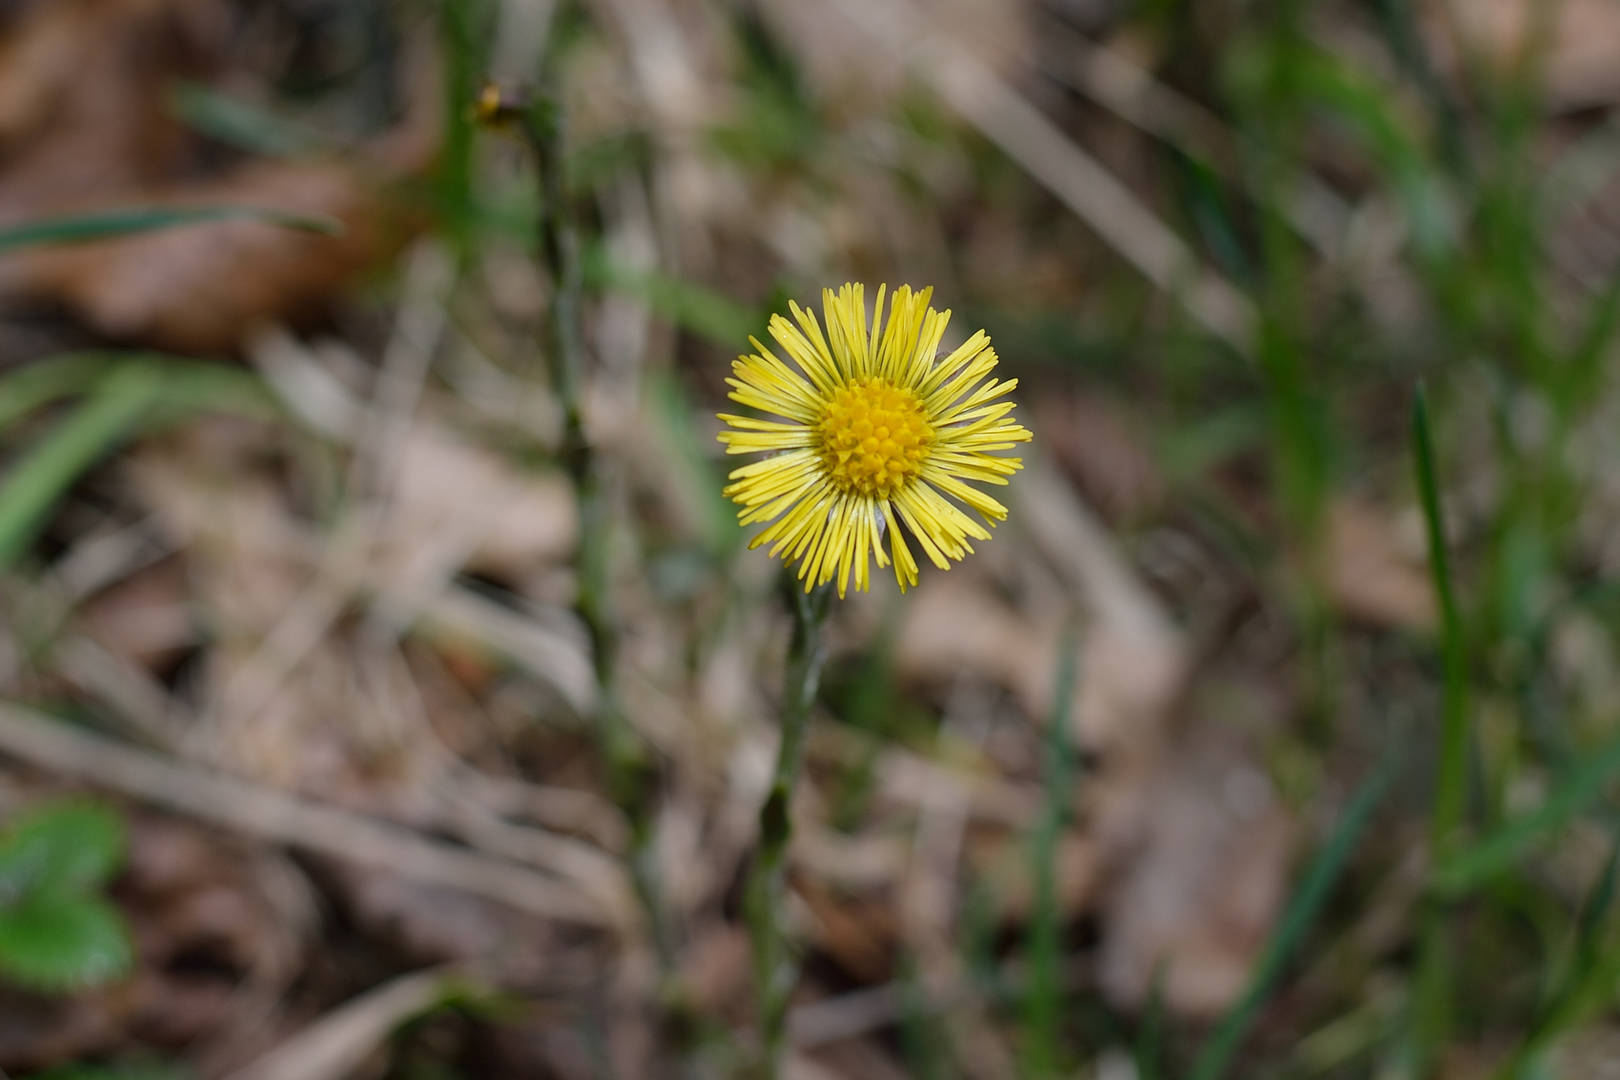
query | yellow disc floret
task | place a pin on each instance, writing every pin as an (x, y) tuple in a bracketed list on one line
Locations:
[(873, 437)]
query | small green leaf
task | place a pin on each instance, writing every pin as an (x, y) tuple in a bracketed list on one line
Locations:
[(63, 847), (59, 943), (105, 224)]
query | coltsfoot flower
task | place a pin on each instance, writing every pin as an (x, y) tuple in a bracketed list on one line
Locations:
[(878, 432)]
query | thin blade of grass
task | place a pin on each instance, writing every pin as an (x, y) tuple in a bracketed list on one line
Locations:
[(1374, 114), (44, 381), (1450, 794), (48, 469), (1584, 371), (1314, 889), (1148, 1052), (1596, 908), (1043, 996), (191, 387), (1399, 22), (127, 394), (1589, 983), (106, 224), (188, 385), (1431, 1012), (239, 123), (1573, 793)]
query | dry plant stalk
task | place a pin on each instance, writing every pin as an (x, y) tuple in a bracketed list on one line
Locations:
[(537, 117)]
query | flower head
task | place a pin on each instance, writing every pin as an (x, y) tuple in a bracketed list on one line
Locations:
[(877, 432)]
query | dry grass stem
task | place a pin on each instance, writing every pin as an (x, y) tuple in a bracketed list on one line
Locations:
[(246, 808), (1007, 119)]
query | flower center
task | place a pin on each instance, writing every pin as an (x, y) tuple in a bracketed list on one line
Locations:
[(873, 437)]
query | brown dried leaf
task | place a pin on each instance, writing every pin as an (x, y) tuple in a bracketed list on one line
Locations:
[(1202, 853), (851, 1058), (1370, 576), (202, 288), (83, 87), (428, 924), (190, 891), (859, 933), (85, 125), (334, 1046), (956, 621), (1581, 67), (717, 971), (246, 554), (1090, 440), (145, 618), (529, 519)]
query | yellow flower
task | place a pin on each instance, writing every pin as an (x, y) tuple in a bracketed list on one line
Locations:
[(879, 430)]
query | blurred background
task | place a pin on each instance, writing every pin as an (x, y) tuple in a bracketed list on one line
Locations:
[(329, 749)]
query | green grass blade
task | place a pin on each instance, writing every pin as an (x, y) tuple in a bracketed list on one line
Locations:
[(1450, 794), (1148, 1052), (1372, 111), (130, 393), (1587, 986), (1314, 889), (106, 224), (1572, 793), (1399, 22), (1583, 373), (1432, 993), (43, 381), (1596, 908), (241, 124), (1043, 995), (137, 1070), (188, 385), (35, 483)]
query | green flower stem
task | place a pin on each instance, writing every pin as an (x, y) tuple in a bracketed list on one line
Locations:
[(775, 969), (629, 766)]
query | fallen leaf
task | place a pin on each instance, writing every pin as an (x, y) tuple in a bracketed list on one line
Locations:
[(83, 97), (202, 288), (1089, 438), (334, 1046), (717, 971), (530, 518), (85, 125), (145, 618), (1200, 852), (1370, 575), (1581, 67), (859, 933)]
